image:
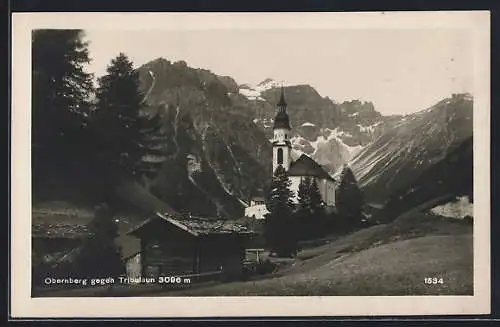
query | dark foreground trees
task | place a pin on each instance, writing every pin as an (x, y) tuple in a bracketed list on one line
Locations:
[(85, 141), (61, 93), (124, 135), (82, 136), (310, 217), (349, 201), (279, 228)]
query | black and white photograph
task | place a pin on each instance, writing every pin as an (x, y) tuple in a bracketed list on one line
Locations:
[(225, 160)]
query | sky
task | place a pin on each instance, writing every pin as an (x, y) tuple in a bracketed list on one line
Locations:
[(399, 70)]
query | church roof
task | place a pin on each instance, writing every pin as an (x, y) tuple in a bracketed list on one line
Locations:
[(306, 166), (282, 120)]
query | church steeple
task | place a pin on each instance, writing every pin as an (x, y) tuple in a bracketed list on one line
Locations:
[(282, 102), (282, 146), (282, 120)]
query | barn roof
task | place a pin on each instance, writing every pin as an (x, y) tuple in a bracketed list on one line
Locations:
[(128, 245), (60, 230), (306, 166), (196, 225)]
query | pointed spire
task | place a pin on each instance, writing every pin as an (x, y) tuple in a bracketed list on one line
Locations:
[(282, 120), (282, 102)]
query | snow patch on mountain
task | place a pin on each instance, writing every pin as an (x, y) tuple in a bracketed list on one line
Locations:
[(254, 92), (327, 148), (368, 129), (250, 94)]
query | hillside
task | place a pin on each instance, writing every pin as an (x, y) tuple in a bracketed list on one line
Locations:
[(216, 155), (389, 259), (413, 144), (449, 178), (382, 260)]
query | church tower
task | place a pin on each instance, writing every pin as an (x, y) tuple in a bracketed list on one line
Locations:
[(282, 147)]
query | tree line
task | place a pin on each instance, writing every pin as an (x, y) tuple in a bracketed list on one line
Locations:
[(86, 131), (287, 223), (89, 136)]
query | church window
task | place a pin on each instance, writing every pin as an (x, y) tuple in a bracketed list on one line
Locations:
[(286, 135), (280, 156)]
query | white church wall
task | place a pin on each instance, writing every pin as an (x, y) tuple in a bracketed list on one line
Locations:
[(329, 198), (322, 188)]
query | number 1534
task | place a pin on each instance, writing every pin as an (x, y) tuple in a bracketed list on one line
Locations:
[(433, 280)]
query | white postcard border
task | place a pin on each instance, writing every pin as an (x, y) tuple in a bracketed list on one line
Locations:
[(22, 305)]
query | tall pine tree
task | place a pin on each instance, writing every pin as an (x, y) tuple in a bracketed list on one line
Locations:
[(349, 199), (124, 134), (60, 101), (279, 229), (310, 212), (304, 195), (315, 196)]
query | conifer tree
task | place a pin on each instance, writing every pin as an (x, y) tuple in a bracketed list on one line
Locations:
[(315, 196), (310, 213), (304, 194), (279, 230), (124, 135), (349, 199), (318, 211), (61, 90)]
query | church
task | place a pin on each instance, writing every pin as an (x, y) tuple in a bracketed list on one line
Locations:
[(298, 169)]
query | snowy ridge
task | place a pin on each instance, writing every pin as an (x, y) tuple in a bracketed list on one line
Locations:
[(254, 92), (327, 149), (335, 135), (412, 144), (368, 129)]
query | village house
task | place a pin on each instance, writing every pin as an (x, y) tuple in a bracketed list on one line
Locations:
[(185, 246), (257, 208)]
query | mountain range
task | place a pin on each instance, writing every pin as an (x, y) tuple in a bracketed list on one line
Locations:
[(218, 135), (412, 145), (219, 132)]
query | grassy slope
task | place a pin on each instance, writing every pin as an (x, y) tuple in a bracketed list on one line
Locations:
[(390, 259)]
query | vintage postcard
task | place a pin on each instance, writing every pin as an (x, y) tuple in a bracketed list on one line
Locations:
[(244, 164)]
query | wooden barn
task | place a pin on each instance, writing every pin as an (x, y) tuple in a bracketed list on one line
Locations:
[(185, 246)]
